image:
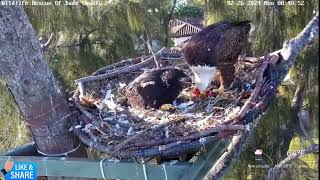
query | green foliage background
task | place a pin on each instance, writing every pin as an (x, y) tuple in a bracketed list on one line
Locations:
[(92, 37)]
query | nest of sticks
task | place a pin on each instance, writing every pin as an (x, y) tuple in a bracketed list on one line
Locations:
[(109, 125)]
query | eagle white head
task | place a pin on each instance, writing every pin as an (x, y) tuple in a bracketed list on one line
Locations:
[(203, 76)]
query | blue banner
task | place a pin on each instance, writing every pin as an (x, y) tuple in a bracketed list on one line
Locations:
[(22, 171)]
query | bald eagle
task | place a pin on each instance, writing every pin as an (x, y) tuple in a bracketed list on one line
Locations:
[(214, 50), (156, 87)]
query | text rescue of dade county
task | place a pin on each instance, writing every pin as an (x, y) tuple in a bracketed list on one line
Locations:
[(49, 3)]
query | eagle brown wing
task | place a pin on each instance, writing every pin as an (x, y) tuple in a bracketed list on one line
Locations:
[(155, 88), (218, 45), (143, 92), (235, 41)]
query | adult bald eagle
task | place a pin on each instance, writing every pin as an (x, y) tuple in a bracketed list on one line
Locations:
[(216, 47), (156, 87)]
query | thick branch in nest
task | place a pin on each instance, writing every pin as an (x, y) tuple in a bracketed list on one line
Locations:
[(120, 71), (196, 135), (118, 147), (257, 89), (112, 67)]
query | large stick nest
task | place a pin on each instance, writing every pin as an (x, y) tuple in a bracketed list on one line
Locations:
[(109, 125)]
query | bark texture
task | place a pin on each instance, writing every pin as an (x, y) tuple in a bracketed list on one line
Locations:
[(27, 75)]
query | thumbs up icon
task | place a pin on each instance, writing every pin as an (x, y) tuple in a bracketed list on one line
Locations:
[(7, 167)]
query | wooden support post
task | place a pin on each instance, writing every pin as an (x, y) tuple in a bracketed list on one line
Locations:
[(31, 82)]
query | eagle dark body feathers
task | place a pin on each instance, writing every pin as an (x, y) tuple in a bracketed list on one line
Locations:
[(218, 45), (155, 88)]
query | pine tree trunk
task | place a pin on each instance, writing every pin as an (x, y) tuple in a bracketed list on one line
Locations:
[(166, 23), (27, 75)]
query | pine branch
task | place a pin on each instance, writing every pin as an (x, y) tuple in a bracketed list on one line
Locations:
[(289, 53)]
